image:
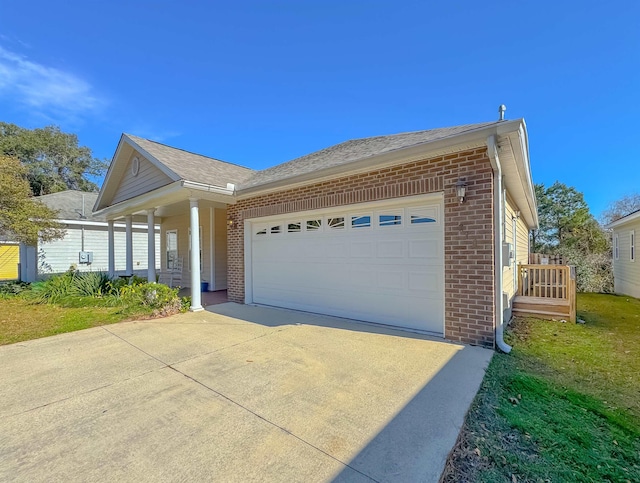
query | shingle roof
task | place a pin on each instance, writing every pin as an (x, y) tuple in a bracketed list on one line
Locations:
[(351, 151), (69, 205), (194, 167)]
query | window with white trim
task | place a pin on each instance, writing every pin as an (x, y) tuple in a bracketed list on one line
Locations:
[(294, 227), (171, 248), (616, 247), (313, 225), (390, 219), (632, 251), (421, 215), (360, 221), (336, 223)]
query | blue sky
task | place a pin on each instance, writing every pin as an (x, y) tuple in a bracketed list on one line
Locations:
[(261, 82)]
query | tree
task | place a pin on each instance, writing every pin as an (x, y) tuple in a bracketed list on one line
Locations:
[(568, 228), (622, 207), (54, 160), (562, 212), (21, 217)]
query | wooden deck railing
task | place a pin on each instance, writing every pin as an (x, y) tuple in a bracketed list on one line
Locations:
[(556, 282)]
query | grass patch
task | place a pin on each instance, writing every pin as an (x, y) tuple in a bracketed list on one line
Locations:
[(22, 320), (74, 301), (563, 406)]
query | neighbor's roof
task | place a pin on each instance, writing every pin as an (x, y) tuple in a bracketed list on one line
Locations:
[(71, 205), (634, 215), (354, 150), (193, 167)]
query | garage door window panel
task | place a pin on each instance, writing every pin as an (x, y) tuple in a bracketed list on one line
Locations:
[(387, 219), (336, 223), (361, 221), (313, 225), (425, 215)]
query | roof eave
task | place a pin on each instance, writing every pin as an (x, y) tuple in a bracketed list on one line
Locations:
[(453, 143), (522, 185), (624, 220), (177, 191)]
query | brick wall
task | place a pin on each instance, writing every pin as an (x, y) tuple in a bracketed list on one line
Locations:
[(468, 229)]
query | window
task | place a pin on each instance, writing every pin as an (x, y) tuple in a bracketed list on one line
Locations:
[(360, 221), (313, 225), (633, 246), (200, 249), (336, 223), (616, 247), (262, 232), (294, 227), (421, 219), (389, 220), (276, 229), (422, 215), (171, 237)]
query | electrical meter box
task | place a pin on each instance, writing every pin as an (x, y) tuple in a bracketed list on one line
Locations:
[(507, 254), (86, 257)]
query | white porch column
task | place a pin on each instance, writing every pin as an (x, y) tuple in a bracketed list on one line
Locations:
[(151, 246), (196, 298), (212, 250), (112, 249), (129, 242)]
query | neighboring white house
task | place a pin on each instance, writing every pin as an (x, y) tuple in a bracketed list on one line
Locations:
[(86, 243), (626, 267)]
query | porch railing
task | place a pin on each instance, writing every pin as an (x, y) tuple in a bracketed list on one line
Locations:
[(553, 282)]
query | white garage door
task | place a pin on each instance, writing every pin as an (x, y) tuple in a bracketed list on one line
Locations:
[(384, 264)]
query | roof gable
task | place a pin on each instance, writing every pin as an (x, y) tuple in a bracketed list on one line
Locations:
[(141, 176), (160, 165)]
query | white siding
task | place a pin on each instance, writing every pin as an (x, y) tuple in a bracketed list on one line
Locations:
[(57, 256), (149, 178), (626, 273), (521, 248)]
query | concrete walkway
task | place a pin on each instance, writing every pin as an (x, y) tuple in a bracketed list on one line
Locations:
[(234, 393)]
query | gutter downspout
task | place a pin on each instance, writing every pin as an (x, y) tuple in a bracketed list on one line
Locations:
[(492, 148)]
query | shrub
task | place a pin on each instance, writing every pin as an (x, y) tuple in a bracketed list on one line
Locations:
[(91, 284), (54, 289), (162, 299)]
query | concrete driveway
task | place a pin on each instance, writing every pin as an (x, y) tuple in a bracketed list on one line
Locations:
[(234, 393)]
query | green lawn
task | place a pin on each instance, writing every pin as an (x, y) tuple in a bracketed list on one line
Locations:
[(22, 320), (563, 406)]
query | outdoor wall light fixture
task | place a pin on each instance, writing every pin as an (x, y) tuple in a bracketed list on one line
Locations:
[(461, 189), (229, 220)]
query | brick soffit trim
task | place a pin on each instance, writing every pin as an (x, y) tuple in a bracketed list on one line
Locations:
[(397, 190), (358, 167)]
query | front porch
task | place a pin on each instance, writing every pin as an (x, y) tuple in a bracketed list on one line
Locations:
[(546, 291)]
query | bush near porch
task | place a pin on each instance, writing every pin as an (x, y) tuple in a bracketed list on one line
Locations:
[(74, 301), (563, 406)]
